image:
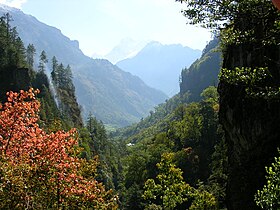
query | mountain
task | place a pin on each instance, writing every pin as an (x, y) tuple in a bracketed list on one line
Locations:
[(127, 48), (112, 95), (115, 96), (203, 72), (190, 130), (160, 65)]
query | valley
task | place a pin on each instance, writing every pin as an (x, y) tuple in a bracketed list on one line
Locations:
[(157, 126)]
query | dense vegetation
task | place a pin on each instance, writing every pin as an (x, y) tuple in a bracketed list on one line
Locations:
[(43, 166), (179, 157), (176, 137), (185, 137), (41, 170), (248, 88), (249, 32), (203, 72), (112, 95)]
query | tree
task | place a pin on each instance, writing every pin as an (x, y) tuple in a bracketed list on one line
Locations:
[(210, 95), (64, 90), (187, 132), (269, 197), (12, 51), (99, 141), (42, 170), (202, 199), (200, 12), (68, 77), (217, 181), (100, 145), (61, 76), (171, 188), (30, 53), (54, 70), (7, 18), (220, 13), (238, 22), (42, 62)]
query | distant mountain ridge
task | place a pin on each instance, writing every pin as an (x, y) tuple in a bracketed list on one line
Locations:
[(112, 95), (160, 65), (127, 48)]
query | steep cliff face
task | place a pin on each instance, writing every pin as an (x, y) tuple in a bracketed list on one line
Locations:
[(15, 79), (112, 95), (251, 121), (203, 72), (252, 133)]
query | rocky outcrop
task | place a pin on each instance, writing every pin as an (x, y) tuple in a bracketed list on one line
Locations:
[(14, 79), (252, 133), (251, 124), (250, 102)]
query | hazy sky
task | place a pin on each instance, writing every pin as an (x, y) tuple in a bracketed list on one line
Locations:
[(99, 25)]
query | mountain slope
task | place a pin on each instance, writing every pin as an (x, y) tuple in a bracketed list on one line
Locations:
[(128, 101), (203, 72), (188, 130), (102, 89), (199, 76), (160, 65)]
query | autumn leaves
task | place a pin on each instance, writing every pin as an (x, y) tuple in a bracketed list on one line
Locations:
[(40, 170)]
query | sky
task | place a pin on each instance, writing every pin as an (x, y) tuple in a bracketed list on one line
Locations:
[(99, 25)]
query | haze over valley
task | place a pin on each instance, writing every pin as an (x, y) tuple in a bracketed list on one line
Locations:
[(110, 93), (121, 105)]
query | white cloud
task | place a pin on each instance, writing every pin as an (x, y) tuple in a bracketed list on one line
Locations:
[(13, 3)]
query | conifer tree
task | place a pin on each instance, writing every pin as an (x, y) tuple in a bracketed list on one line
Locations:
[(43, 61), (54, 70), (12, 51), (30, 53)]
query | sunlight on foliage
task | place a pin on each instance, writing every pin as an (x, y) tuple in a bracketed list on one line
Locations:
[(269, 197), (172, 190), (42, 170)]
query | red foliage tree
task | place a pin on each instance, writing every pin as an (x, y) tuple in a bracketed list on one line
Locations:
[(40, 170)]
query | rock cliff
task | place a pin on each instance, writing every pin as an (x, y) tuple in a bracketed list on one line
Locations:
[(15, 79), (251, 121)]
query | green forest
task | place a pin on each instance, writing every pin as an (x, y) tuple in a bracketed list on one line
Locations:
[(214, 145)]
